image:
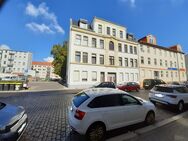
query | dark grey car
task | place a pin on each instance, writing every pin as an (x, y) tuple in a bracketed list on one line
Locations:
[(13, 122)]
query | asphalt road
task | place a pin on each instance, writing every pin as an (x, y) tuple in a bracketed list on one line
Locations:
[(47, 113)]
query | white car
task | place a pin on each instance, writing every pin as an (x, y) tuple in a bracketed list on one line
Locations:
[(175, 95), (97, 110)]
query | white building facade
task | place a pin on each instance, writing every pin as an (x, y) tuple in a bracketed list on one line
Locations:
[(160, 62), (100, 51), (43, 70), (15, 61), (186, 63)]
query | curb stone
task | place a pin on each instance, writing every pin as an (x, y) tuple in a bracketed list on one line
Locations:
[(138, 132)]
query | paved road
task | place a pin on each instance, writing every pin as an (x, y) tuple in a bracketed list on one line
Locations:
[(175, 131), (47, 112), (43, 85)]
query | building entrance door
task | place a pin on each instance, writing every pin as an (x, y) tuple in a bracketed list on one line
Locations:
[(156, 74), (112, 77)]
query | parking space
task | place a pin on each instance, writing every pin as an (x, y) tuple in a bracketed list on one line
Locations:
[(47, 112)]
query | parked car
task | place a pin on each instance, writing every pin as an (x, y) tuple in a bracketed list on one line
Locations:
[(13, 122), (97, 110), (175, 83), (150, 83), (129, 86), (175, 95), (106, 85)]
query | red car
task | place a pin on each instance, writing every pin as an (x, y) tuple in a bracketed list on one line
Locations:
[(129, 86)]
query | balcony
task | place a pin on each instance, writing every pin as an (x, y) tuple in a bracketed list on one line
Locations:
[(11, 59), (10, 65)]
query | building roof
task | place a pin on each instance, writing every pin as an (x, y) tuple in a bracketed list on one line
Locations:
[(160, 47), (42, 63)]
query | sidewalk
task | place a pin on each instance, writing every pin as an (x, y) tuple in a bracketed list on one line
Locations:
[(160, 131)]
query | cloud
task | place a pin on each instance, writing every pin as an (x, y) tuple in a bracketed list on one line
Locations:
[(48, 59), (132, 3), (39, 28), (3, 46), (42, 11)]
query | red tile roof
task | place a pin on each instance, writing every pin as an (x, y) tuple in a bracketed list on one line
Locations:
[(42, 63)]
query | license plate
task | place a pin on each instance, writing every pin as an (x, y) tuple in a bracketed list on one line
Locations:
[(22, 127), (159, 95)]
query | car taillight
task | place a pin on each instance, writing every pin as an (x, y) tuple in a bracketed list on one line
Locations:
[(172, 96), (79, 114)]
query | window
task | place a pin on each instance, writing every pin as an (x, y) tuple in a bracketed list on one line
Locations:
[(132, 63), (126, 62), (125, 48), (121, 77), (141, 48), (149, 61), (182, 89), (175, 64), (80, 98), (85, 57), (161, 73), (101, 44), (105, 101), (128, 100), (111, 45), (99, 28), (163, 89), (135, 50), (155, 51), (94, 42), (111, 60), (85, 41), (155, 61), (78, 40), (119, 47), (171, 64), (120, 61), (182, 65), (101, 59), (161, 62), (108, 30), (121, 34), (114, 32), (94, 76), (93, 58), (84, 76), (76, 76), (131, 49), (166, 73), (142, 60), (166, 63), (148, 49), (135, 62), (78, 57)]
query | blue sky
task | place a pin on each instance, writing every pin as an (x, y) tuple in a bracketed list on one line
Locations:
[(36, 25)]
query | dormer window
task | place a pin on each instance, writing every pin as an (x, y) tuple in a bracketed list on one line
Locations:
[(99, 28), (83, 23)]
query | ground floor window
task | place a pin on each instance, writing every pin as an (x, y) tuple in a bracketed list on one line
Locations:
[(76, 75), (84, 75)]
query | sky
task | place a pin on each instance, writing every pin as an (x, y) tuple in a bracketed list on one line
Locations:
[(36, 25)]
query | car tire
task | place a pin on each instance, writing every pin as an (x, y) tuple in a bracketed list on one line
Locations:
[(180, 107), (150, 118), (96, 132)]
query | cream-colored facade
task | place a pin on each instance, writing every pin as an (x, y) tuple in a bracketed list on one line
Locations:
[(99, 52), (159, 62)]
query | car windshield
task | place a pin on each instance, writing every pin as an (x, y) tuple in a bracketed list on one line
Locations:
[(163, 89), (80, 98)]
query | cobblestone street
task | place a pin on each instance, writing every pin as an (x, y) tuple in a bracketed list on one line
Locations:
[(47, 113)]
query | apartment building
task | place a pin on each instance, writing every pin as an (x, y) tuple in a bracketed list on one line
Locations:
[(160, 62), (44, 70), (186, 63), (100, 51), (17, 62)]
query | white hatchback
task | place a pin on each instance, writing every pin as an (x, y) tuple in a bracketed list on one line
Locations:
[(97, 110), (175, 95)]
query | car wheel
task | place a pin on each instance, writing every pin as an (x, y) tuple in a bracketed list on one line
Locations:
[(150, 118), (180, 106), (96, 132)]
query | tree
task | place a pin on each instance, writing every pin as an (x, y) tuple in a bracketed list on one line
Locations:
[(59, 53)]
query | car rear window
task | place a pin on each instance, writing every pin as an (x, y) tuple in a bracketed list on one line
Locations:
[(182, 89), (147, 82), (80, 98), (163, 89)]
